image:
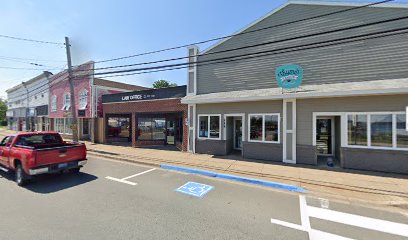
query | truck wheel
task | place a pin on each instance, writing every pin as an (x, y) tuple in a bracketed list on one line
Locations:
[(21, 177)]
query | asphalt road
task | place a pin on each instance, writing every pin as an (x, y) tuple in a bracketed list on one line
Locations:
[(146, 206)]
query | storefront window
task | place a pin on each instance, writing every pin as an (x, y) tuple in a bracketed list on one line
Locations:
[(271, 128), (210, 126), (256, 122), (119, 127), (214, 126), (68, 125), (264, 127), (59, 125), (381, 130), (151, 128), (357, 129), (158, 128), (203, 126), (402, 133)]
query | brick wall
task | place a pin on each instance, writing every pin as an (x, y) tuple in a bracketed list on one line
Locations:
[(154, 106)]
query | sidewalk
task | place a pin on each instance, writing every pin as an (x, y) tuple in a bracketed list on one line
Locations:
[(382, 189)]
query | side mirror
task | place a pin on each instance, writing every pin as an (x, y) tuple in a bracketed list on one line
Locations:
[(7, 144)]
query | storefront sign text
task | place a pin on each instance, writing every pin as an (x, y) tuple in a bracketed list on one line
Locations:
[(289, 76)]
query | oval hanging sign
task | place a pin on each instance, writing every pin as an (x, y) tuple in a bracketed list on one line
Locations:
[(289, 76)]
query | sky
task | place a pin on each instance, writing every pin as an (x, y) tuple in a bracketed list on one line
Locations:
[(100, 30)]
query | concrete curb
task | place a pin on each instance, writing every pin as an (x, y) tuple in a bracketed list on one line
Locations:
[(259, 182)]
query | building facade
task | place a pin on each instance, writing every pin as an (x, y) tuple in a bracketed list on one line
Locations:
[(28, 104), (88, 91), (350, 110), (152, 117)]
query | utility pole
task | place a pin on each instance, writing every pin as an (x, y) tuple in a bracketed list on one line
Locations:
[(71, 86), (27, 119)]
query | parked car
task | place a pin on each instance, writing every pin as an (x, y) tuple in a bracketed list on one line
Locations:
[(34, 153)]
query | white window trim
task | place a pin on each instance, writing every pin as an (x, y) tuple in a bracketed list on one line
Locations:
[(208, 120), (64, 132), (344, 129), (263, 127), (80, 97), (394, 131), (53, 103), (66, 107)]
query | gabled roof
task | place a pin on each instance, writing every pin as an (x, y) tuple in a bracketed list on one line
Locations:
[(306, 2), (45, 74)]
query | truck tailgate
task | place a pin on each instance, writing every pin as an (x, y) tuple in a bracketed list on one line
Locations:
[(63, 154)]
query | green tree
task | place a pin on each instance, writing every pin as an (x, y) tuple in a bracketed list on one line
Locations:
[(3, 110), (163, 84)]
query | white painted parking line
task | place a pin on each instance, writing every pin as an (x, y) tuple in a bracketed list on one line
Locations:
[(121, 180), (339, 217), (359, 221), (124, 180), (138, 174)]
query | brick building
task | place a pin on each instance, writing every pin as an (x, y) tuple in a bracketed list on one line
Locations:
[(148, 117), (89, 91)]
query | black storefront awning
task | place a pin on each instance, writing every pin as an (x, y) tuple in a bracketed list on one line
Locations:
[(41, 110), (151, 94)]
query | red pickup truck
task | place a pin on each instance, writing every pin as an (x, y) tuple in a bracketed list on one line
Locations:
[(33, 153)]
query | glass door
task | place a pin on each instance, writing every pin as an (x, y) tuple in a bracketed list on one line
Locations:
[(170, 131), (325, 136), (238, 134)]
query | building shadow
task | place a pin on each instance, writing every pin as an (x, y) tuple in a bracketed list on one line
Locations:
[(51, 183)]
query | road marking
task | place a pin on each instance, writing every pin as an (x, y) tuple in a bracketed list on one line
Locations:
[(124, 180), (138, 174), (345, 218), (359, 221), (121, 180), (195, 189)]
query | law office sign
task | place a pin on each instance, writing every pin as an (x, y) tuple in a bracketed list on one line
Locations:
[(289, 76)]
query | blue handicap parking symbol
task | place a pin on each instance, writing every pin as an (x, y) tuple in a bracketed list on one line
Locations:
[(195, 189)]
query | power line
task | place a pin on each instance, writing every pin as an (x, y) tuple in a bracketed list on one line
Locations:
[(243, 55), (30, 40), (31, 63), (246, 32), (263, 44), (32, 59), (35, 69), (281, 51)]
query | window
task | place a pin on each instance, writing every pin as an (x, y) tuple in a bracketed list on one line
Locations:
[(357, 129), (203, 127), (381, 130), (264, 128), (42, 95), (151, 128), (402, 133), (63, 125), (119, 127), (210, 126), (67, 102), (53, 103), (377, 130), (83, 99)]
